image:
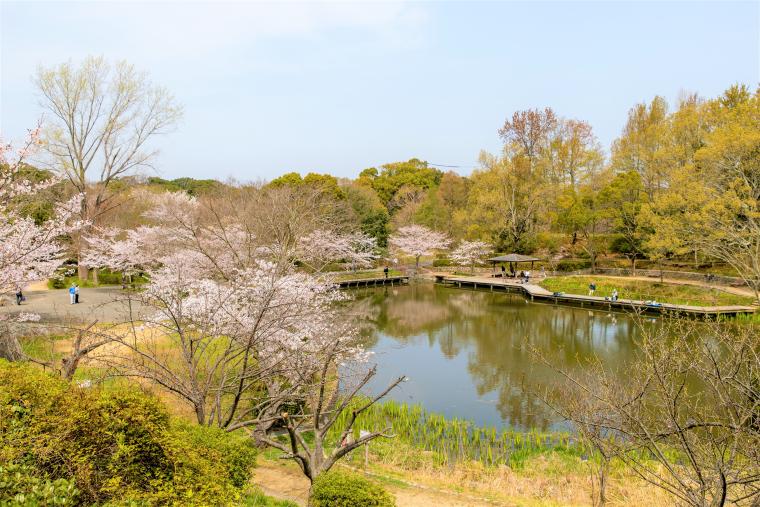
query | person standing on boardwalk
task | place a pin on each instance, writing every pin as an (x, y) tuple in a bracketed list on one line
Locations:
[(385, 271), (503, 271), (591, 288), (615, 295), (71, 294)]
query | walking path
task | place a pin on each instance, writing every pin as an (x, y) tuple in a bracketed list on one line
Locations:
[(280, 480), (53, 305), (535, 292)]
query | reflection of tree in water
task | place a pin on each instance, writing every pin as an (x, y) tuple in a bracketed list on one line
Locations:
[(498, 331)]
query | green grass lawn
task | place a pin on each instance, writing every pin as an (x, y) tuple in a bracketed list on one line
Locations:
[(645, 290)]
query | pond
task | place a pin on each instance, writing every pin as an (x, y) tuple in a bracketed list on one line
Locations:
[(467, 353)]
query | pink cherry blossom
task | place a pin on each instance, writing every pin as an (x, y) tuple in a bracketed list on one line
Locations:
[(417, 241)]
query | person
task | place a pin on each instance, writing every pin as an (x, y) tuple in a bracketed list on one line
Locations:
[(543, 272), (591, 288), (522, 275), (19, 296), (615, 295), (503, 271), (527, 276), (76, 294), (71, 294), (385, 271)]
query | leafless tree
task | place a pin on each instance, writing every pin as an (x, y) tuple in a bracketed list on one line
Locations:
[(687, 416), (320, 414), (102, 120)]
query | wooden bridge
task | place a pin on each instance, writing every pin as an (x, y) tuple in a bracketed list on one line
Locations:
[(537, 293), (372, 282)]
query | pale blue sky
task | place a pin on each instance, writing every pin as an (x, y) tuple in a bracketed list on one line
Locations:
[(337, 87)]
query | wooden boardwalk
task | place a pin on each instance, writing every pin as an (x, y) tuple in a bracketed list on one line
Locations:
[(372, 282), (538, 293)]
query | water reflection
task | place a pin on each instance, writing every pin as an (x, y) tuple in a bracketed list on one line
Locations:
[(467, 353)]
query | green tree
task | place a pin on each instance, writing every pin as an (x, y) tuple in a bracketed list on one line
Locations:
[(369, 210), (390, 178), (641, 147), (582, 214), (622, 199)]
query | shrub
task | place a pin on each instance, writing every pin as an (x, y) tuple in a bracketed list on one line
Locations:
[(115, 446), (19, 486), (437, 263), (573, 265), (334, 489)]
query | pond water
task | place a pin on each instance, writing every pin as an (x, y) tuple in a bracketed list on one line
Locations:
[(467, 353)]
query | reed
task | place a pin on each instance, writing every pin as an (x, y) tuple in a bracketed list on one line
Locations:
[(452, 441)]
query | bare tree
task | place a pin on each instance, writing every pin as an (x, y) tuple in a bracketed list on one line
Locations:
[(320, 413), (687, 417), (102, 120)]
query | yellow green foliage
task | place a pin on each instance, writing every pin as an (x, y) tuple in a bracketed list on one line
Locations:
[(115, 446)]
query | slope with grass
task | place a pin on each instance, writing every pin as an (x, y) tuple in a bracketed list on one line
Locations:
[(680, 294)]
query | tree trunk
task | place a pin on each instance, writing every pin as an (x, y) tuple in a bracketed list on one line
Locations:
[(81, 268), (95, 274), (633, 266)]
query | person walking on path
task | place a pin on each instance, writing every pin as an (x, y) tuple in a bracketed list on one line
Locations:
[(385, 271), (591, 288), (19, 296), (76, 294), (72, 292)]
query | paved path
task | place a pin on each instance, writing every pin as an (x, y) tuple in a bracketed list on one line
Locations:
[(53, 305)]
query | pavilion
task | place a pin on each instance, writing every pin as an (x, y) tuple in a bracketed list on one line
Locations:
[(512, 259)]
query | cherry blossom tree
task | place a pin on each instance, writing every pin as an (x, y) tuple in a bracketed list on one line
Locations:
[(28, 251), (320, 247), (417, 241), (469, 252), (231, 327), (125, 252)]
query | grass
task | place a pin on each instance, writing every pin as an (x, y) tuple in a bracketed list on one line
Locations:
[(449, 441), (452, 455), (256, 498), (646, 290)]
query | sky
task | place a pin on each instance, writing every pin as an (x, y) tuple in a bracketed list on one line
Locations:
[(336, 87)]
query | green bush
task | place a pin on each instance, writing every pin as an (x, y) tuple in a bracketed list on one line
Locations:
[(437, 263), (116, 447), (334, 489), (19, 486), (567, 265)]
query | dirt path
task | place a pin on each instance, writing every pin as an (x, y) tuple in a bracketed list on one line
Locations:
[(284, 481)]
